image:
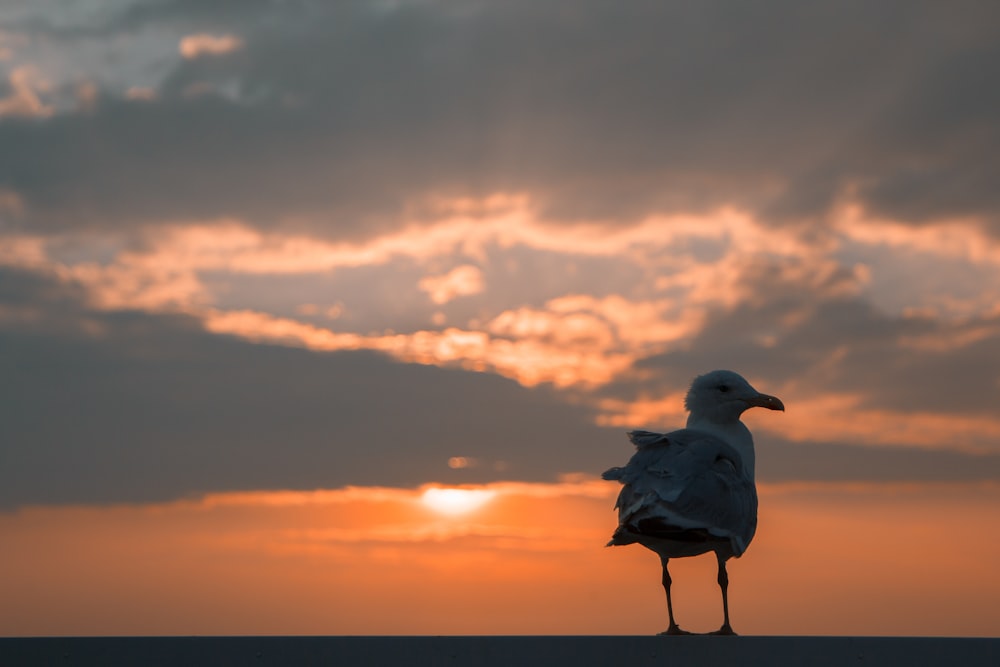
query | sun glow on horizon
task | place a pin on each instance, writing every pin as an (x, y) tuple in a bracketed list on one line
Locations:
[(360, 560), (454, 501)]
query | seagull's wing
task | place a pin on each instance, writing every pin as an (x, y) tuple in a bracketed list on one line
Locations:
[(686, 484)]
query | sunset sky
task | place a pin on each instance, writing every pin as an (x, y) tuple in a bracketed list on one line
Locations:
[(276, 275)]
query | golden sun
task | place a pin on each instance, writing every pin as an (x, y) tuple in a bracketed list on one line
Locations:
[(455, 501)]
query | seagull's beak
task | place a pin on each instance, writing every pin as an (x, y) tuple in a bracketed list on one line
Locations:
[(765, 401)]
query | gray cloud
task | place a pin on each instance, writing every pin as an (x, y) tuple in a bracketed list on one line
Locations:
[(131, 407), (347, 112), (825, 340), (781, 461), (128, 406)]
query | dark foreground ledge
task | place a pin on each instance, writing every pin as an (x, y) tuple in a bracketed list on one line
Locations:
[(506, 651)]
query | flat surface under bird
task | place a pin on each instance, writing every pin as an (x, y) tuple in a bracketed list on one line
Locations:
[(505, 651)]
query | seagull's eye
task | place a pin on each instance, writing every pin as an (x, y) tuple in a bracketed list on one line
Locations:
[(723, 388)]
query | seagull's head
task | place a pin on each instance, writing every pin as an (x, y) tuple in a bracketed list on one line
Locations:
[(722, 396)]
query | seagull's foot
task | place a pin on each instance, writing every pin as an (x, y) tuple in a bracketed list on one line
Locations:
[(674, 629), (726, 629)]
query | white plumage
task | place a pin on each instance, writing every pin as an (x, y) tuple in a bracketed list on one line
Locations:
[(692, 491)]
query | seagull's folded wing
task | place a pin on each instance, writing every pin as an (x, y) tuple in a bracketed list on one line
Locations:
[(686, 481)]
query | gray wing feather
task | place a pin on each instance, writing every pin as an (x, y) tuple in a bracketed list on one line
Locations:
[(688, 480)]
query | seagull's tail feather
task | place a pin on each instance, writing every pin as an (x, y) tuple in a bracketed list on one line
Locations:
[(613, 473), (621, 538)]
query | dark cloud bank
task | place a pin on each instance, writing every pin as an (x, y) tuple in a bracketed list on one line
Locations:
[(349, 112), (100, 407)]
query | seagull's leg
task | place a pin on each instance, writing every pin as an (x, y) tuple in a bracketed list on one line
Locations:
[(726, 629), (674, 629)]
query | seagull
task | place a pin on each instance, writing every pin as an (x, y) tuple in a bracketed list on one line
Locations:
[(692, 491)]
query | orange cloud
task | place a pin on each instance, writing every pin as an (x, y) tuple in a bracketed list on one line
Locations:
[(843, 418), (140, 94), (23, 99), (231, 245), (962, 238), (571, 340), (657, 245), (528, 362), (159, 288), (953, 339), (667, 411), (560, 329), (636, 323), (204, 44), (261, 327), (946, 269), (461, 281), (25, 252)]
